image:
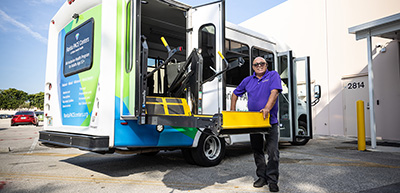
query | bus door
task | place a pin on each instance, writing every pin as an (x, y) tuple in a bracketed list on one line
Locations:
[(302, 100), (295, 100), (206, 31), (128, 48)]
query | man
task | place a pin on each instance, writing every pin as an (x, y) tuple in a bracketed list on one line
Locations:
[(263, 88)]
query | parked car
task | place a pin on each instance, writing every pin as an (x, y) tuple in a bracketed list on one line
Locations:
[(24, 118), (39, 115), (3, 116)]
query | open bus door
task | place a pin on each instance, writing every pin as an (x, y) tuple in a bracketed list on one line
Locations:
[(128, 84), (295, 100), (206, 31)]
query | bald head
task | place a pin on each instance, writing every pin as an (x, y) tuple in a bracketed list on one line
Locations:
[(259, 59), (260, 66)]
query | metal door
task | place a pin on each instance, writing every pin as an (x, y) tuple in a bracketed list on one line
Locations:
[(301, 101), (206, 30), (295, 99), (128, 73), (285, 113)]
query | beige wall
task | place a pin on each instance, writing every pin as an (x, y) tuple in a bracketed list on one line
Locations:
[(319, 28)]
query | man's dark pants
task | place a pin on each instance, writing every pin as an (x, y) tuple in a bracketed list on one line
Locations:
[(269, 171)]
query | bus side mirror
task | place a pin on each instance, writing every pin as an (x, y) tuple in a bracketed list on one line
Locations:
[(317, 94), (317, 91)]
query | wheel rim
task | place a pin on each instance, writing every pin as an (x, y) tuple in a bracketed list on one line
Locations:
[(302, 131), (212, 147)]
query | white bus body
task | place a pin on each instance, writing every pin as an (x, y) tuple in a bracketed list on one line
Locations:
[(95, 96)]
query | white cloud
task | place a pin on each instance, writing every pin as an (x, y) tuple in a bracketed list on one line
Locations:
[(22, 26)]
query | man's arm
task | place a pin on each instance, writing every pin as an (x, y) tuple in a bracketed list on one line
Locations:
[(233, 102), (271, 102)]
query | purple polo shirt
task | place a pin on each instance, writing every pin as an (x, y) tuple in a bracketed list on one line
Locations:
[(258, 91)]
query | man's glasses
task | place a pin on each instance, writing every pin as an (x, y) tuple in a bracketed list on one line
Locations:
[(259, 64)]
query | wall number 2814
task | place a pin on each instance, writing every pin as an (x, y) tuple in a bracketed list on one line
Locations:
[(355, 85)]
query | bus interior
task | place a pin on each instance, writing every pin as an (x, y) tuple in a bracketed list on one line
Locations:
[(161, 19)]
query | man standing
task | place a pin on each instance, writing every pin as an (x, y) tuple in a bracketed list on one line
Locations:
[(263, 88)]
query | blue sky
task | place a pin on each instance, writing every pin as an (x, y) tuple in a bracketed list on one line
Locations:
[(24, 29)]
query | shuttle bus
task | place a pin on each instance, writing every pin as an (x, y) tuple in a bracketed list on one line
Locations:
[(151, 75)]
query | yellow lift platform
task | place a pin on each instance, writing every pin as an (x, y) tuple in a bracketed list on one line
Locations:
[(176, 112)]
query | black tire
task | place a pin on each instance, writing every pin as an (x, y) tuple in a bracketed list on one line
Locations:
[(187, 155), (210, 150), (303, 130)]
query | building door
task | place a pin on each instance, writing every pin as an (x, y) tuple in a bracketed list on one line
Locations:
[(355, 88)]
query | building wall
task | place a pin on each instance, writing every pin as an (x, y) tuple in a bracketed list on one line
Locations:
[(319, 29)]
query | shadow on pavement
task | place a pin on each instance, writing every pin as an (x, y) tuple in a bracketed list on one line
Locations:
[(395, 188), (380, 143), (178, 173)]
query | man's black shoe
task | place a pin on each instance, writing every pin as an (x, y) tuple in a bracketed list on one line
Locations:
[(273, 188), (260, 183)]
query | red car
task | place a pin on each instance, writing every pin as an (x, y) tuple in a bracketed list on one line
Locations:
[(24, 118)]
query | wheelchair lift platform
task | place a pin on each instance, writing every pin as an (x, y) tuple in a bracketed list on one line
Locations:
[(176, 112)]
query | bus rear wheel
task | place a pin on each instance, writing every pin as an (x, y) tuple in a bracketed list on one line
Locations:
[(209, 152)]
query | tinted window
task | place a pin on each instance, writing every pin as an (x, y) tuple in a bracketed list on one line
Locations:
[(78, 49), (234, 50), (155, 82), (207, 44)]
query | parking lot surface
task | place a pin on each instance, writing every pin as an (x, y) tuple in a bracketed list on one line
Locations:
[(325, 164)]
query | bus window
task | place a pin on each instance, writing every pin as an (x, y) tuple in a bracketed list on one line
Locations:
[(128, 63), (233, 51), (155, 83), (267, 55), (207, 44), (78, 49)]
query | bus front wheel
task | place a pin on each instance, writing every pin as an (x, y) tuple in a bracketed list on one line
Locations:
[(302, 131)]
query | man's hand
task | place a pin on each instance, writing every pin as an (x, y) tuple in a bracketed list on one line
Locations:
[(271, 102), (265, 112)]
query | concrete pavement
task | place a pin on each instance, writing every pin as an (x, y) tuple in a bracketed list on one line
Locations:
[(325, 164)]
